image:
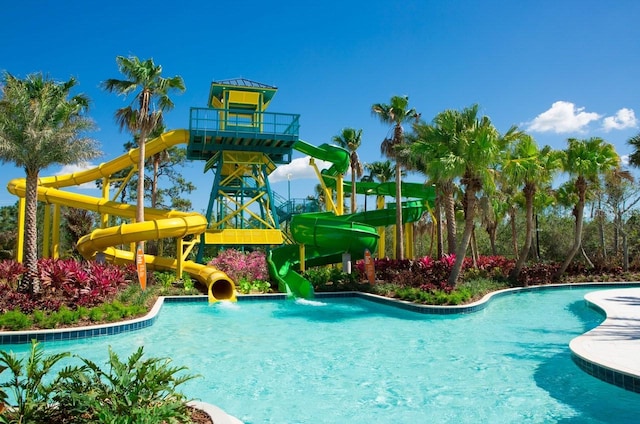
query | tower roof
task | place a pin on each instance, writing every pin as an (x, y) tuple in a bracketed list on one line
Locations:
[(241, 84)]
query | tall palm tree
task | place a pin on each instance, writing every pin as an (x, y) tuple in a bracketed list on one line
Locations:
[(529, 167), (396, 113), (432, 146), (151, 100), (351, 139), (40, 125), (470, 151), (584, 161)]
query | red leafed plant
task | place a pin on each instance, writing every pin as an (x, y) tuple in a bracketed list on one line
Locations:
[(63, 282)]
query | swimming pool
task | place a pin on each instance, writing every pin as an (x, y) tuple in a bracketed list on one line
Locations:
[(349, 360)]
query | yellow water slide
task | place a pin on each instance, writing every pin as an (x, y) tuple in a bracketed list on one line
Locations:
[(158, 223)]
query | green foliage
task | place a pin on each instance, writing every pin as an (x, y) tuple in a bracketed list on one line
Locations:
[(187, 282), (31, 394), (15, 320), (330, 278), (134, 391), (255, 286), (140, 391)]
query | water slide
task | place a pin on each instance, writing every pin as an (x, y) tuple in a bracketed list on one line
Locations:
[(158, 223), (326, 236)]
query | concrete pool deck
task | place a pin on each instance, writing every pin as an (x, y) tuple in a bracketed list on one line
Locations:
[(611, 351)]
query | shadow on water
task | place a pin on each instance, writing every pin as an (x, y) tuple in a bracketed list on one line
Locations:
[(593, 400)]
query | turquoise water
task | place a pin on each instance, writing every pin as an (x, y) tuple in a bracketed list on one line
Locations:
[(354, 361)]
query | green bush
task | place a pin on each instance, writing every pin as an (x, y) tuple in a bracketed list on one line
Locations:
[(15, 320), (31, 394), (133, 391)]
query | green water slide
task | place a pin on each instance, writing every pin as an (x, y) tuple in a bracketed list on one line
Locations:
[(326, 236)]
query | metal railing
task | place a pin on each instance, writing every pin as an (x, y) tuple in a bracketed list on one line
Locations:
[(244, 120)]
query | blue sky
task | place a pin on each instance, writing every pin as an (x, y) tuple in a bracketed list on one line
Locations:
[(557, 69)]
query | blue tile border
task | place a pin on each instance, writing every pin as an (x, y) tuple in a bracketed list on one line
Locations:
[(19, 337), (615, 377)]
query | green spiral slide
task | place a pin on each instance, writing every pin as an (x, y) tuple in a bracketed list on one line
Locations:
[(327, 236)]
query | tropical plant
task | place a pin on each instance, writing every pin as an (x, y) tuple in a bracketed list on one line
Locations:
[(150, 102), (396, 113), (134, 391), (528, 167), (40, 125), (31, 391), (430, 152), (351, 139), (584, 161), (471, 151), (634, 157)]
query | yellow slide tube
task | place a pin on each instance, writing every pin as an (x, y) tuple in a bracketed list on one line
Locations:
[(159, 223)]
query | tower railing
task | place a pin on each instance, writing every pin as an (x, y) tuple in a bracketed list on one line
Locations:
[(244, 120)]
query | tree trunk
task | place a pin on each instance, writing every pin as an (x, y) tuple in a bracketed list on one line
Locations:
[(625, 251), (474, 248), (470, 195), (30, 280), (399, 232), (529, 194), (586, 258), (492, 232), (353, 189), (140, 197), (450, 215), (577, 237), (514, 232)]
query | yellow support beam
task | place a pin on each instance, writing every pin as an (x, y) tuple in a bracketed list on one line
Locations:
[(20, 242), (55, 242), (46, 237), (238, 236)]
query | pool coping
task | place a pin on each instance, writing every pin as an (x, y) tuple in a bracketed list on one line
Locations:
[(610, 351), (607, 352)]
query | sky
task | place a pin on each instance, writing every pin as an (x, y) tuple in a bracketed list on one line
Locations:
[(556, 69)]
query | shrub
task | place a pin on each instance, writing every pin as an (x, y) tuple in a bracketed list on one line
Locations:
[(31, 393), (240, 266), (133, 391), (15, 320)]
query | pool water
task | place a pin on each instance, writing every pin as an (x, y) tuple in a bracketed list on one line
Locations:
[(349, 360)]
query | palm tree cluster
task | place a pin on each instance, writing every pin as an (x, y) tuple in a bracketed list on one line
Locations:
[(485, 174), (475, 169)]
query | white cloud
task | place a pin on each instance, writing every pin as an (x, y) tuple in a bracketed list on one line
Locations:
[(563, 117), (79, 167), (624, 118), (298, 169), (624, 159)]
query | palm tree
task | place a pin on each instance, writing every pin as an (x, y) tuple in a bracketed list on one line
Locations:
[(150, 102), (382, 171), (432, 145), (396, 113), (584, 161), (471, 151), (40, 125), (634, 158), (350, 139), (529, 167)]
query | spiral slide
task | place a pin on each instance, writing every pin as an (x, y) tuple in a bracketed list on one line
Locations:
[(326, 236), (159, 223)]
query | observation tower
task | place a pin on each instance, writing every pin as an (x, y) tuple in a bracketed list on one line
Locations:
[(241, 144)]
